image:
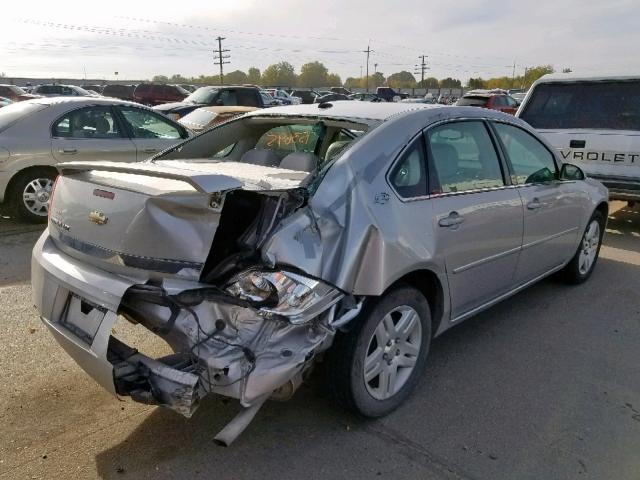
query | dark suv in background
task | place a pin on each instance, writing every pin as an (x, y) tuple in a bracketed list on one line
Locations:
[(223, 96), (158, 93), (493, 99), (123, 92)]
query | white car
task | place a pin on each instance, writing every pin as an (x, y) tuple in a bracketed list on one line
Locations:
[(63, 91), (593, 122)]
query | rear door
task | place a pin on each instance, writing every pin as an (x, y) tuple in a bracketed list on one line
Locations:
[(477, 214), (552, 208), (91, 133), (149, 131)]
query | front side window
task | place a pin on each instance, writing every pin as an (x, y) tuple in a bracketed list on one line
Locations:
[(145, 124), (530, 159), (290, 138), (408, 177), (92, 122), (463, 158), (228, 98)]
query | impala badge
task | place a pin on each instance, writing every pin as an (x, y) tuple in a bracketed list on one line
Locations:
[(98, 218)]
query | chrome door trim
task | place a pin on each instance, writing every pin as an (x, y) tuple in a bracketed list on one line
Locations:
[(550, 237), (504, 296), (482, 261)]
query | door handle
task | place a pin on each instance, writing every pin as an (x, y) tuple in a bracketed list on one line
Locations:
[(150, 150), (577, 143), (534, 204), (68, 151), (452, 220)]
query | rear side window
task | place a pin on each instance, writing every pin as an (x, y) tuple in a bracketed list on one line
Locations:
[(247, 98), (473, 101), (91, 122), (463, 158), (530, 159), (408, 176), (598, 105)]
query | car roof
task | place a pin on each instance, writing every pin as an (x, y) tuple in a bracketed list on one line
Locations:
[(81, 100), (368, 112), (580, 77)]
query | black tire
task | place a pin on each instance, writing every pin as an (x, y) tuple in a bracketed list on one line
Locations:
[(572, 272), (16, 195), (346, 358)]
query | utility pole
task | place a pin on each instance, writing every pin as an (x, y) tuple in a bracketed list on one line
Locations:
[(220, 59), (368, 51), (423, 68), (513, 74)]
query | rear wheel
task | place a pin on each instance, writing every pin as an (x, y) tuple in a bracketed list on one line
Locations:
[(30, 194), (581, 266), (374, 367)]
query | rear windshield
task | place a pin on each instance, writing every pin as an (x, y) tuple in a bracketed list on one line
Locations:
[(16, 111), (199, 116), (472, 101), (598, 105)]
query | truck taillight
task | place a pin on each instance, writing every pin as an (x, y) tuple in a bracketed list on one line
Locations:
[(53, 191)]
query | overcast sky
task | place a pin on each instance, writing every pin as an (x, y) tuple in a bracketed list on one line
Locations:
[(462, 39)]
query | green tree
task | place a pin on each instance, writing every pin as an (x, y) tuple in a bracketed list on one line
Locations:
[(253, 75), (313, 74), (534, 73), (475, 83), (352, 82), (334, 80), (177, 78), (402, 79), (429, 82), (237, 77), (279, 74), (450, 83), (160, 79)]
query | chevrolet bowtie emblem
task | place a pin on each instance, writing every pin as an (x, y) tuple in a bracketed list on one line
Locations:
[(98, 218)]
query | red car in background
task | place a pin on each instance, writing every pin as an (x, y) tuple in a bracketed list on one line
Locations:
[(152, 94), (493, 99), (15, 93)]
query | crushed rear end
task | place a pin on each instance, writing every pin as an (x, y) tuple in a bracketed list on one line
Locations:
[(175, 248)]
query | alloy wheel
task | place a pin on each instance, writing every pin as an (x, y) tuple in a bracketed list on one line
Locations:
[(36, 196), (392, 352), (589, 247)]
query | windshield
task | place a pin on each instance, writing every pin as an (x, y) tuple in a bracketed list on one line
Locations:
[(17, 111), (202, 95), (82, 91)]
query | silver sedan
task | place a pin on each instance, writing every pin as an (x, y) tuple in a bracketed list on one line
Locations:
[(36, 134), (350, 232)]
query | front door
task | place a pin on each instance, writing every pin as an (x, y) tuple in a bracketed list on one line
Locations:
[(477, 215), (552, 208), (90, 133)]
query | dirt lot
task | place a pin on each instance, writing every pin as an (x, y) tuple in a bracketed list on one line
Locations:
[(543, 386)]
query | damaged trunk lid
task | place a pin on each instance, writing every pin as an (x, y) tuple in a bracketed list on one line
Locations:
[(158, 217)]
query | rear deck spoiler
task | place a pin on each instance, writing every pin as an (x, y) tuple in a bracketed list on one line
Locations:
[(202, 181)]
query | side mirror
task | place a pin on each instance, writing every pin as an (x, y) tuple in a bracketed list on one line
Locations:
[(571, 172)]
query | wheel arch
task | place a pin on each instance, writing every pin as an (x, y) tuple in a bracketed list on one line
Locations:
[(429, 284)]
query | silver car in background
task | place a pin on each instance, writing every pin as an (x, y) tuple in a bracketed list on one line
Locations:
[(37, 134), (350, 232)]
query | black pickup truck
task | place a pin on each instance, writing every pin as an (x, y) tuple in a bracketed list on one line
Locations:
[(227, 95)]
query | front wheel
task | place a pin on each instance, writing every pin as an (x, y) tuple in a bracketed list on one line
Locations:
[(374, 367), (581, 266)]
